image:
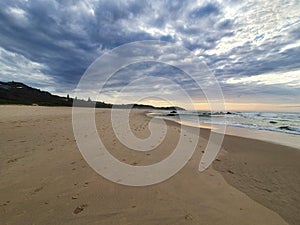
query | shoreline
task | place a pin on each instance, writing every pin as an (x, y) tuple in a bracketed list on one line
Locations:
[(249, 157), (268, 173), (281, 138), (45, 180)]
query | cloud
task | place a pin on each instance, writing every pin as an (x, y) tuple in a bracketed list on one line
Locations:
[(249, 46), (204, 11), (290, 79), (15, 67)]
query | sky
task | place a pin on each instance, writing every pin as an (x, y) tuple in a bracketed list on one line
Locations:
[(251, 47)]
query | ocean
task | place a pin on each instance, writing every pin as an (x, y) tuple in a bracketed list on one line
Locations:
[(284, 122)]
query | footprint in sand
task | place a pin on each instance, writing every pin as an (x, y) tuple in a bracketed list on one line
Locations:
[(188, 217), (230, 171), (36, 190), (74, 196), (12, 160), (6, 203), (80, 208)]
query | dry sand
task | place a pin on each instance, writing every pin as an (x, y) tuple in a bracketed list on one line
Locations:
[(44, 179), (266, 172)]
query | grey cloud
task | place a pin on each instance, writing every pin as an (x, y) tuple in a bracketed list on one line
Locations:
[(204, 11)]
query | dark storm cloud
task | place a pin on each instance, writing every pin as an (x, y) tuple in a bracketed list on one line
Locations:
[(63, 37), (204, 11), (43, 35)]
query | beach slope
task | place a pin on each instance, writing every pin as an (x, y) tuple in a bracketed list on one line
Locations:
[(45, 180)]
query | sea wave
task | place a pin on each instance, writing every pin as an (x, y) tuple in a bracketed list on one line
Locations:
[(288, 130), (279, 122)]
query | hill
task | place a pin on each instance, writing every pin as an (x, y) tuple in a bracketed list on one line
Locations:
[(19, 93)]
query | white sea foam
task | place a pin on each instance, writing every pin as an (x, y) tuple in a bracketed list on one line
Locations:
[(271, 121)]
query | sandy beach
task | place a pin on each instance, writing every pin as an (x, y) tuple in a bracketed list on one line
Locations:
[(45, 180)]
